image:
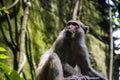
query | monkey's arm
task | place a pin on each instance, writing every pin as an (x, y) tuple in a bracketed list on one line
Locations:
[(85, 65), (44, 61)]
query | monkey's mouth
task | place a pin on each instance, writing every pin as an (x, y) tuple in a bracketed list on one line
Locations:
[(70, 33), (71, 29)]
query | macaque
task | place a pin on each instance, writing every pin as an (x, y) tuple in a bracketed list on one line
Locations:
[(70, 50)]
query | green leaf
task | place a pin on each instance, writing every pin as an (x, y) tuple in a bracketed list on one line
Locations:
[(15, 76), (3, 8), (2, 49), (4, 68), (0, 14), (5, 11), (3, 56)]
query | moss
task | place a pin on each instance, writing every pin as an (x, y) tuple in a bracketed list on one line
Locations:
[(97, 52)]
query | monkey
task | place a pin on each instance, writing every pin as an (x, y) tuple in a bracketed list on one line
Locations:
[(71, 50)]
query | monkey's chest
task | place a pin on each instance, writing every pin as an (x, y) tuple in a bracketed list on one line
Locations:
[(66, 54)]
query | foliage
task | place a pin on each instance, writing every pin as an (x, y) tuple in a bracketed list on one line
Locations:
[(5, 72), (8, 74), (2, 49), (3, 56), (3, 10)]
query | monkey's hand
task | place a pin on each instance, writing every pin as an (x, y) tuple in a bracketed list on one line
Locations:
[(69, 70), (76, 77)]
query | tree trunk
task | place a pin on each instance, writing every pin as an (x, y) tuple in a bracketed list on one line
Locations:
[(75, 9), (111, 45)]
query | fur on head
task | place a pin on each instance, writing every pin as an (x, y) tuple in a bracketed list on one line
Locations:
[(80, 24)]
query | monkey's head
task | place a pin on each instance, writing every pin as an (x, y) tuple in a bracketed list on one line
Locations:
[(74, 27)]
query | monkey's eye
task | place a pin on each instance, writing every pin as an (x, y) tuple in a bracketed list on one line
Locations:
[(72, 23)]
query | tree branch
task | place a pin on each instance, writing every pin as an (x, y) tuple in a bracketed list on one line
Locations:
[(9, 26), (29, 53), (10, 30), (75, 10), (12, 5), (30, 48), (22, 59)]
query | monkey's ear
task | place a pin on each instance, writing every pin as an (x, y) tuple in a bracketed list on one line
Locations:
[(86, 29)]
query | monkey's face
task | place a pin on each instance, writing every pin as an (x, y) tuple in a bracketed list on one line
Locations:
[(72, 27), (75, 28)]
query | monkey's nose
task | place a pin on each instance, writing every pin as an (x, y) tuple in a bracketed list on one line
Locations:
[(69, 27)]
